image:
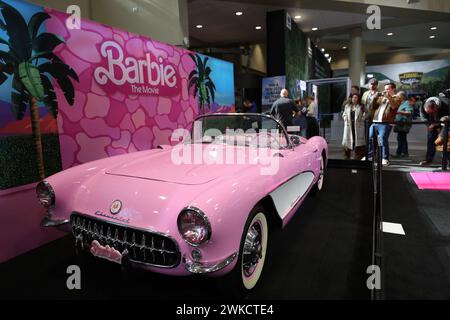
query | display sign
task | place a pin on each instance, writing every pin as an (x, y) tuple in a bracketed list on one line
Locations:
[(315, 90), (411, 78), (416, 78), (151, 75), (301, 88), (271, 90), (288, 21), (302, 85)]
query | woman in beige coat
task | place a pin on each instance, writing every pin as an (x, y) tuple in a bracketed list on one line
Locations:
[(354, 138)]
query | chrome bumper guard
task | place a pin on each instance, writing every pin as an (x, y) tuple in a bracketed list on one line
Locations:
[(201, 268), (47, 222)]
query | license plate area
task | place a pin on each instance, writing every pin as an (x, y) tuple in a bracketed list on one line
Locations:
[(105, 252)]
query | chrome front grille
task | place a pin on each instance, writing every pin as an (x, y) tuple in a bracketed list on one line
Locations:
[(142, 246)]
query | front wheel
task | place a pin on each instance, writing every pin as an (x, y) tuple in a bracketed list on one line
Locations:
[(252, 255)]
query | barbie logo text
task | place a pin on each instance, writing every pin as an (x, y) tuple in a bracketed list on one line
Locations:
[(147, 76)]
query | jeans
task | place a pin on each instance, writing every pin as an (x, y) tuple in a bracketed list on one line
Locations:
[(382, 131), (431, 147), (402, 148)]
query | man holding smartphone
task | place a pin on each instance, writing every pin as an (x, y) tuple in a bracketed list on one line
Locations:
[(384, 110)]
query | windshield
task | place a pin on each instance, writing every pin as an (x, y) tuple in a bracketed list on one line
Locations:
[(254, 130)]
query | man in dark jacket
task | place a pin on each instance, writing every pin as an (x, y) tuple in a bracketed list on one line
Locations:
[(432, 111), (284, 109)]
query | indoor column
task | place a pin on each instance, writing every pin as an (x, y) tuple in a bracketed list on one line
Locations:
[(357, 58)]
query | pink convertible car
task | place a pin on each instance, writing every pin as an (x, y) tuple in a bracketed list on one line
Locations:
[(203, 206)]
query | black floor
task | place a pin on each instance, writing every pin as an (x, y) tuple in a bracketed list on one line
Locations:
[(322, 254), (417, 266)]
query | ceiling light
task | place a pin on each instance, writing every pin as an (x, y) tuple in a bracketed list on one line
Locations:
[(297, 17), (390, 34), (258, 28), (199, 26), (432, 37), (327, 55), (239, 13), (344, 47), (433, 28), (315, 29), (323, 50)]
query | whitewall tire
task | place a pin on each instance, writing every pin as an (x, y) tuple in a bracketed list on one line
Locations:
[(321, 175), (318, 186), (252, 256), (254, 252)]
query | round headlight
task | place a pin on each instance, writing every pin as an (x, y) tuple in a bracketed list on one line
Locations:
[(194, 227), (45, 194)]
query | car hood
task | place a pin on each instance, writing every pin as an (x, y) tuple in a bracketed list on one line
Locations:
[(161, 167)]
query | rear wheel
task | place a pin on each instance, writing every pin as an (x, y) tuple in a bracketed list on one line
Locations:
[(322, 175), (252, 255), (320, 182)]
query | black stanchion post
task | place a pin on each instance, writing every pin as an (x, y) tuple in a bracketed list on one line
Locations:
[(377, 237), (379, 226), (445, 146), (367, 128)]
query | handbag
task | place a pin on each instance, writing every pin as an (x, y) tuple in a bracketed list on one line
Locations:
[(402, 127)]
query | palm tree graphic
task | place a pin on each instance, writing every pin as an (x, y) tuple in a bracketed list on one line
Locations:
[(30, 61), (200, 80)]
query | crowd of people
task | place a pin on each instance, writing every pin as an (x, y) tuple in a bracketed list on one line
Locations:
[(389, 111), (301, 114), (383, 112)]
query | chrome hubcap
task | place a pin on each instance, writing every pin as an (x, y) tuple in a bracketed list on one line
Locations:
[(252, 249), (321, 175)]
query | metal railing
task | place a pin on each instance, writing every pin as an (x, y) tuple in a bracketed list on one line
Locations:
[(446, 124), (377, 232), (377, 171)]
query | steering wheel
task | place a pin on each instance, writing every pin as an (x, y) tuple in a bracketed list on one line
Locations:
[(265, 139)]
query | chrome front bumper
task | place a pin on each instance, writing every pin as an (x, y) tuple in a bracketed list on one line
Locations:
[(202, 268), (191, 266), (47, 222)]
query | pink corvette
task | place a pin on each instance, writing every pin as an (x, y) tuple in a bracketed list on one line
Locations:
[(203, 206)]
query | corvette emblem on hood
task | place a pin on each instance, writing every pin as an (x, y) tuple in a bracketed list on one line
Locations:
[(116, 207)]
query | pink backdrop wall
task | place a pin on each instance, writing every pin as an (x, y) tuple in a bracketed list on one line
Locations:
[(107, 119)]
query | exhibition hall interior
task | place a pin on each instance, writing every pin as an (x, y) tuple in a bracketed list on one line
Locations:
[(208, 150)]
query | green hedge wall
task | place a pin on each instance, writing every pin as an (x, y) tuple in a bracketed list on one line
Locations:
[(18, 164)]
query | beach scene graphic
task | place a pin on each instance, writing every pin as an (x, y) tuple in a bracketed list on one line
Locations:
[(28, 71), (119, 93)]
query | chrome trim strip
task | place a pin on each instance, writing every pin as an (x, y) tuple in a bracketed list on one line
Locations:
[(200, 268), (122, 225)]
